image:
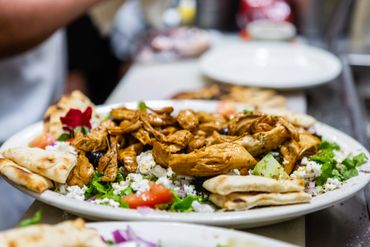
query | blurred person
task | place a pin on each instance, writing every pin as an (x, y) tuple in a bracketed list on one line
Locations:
[(32, 71)]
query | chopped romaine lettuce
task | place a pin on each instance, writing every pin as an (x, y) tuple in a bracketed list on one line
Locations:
[(100, 190), (184, 204), (330, 168), (270, 167)]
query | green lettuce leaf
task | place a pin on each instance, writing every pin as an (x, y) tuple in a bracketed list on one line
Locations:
[(35, 219), (184, 204)]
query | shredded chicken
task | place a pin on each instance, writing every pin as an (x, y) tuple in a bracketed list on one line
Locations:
[(191, 143)]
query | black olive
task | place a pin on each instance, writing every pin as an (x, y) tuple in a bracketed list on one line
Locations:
[(94, 157), (198, 185), (224, 131)]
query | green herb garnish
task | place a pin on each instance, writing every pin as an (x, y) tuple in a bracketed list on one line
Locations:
[(64, 137), (35, 219), (142, 106)]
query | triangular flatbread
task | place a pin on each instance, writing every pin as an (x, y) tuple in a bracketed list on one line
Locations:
[(244, 201), (54, 165), (69, 233), (226, 184), (23, 176)]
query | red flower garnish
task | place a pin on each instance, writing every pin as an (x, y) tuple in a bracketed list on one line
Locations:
[(76, 118)]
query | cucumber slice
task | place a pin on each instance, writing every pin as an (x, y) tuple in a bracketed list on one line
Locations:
[(270, 167)]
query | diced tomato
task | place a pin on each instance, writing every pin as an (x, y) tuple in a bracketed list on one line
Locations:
[(156, 195), (70, 139), (42, 141), (226, 108)]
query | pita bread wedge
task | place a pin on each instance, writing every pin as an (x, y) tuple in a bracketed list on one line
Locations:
[(24, 177), (54, 165), (244, 201), (226, 184), (75, 100), (69, 233)]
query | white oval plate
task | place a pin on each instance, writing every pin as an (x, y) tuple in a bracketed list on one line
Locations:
[(185, 235), (270, 64), (243, 219)]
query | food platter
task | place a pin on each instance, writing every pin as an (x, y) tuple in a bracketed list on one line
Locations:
[(172, 234), (250, 218), (269, 64)]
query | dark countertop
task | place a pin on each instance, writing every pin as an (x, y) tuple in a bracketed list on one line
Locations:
[(347, 223)]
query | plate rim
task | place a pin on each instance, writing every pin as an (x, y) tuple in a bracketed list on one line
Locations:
[(261, 239), (336, 69), (270, 214)]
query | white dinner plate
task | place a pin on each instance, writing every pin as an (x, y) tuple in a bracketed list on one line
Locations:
[(185, 235), (242, 219), (270, 64)]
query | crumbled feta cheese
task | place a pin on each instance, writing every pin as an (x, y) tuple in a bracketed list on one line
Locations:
[(145, 162), (118, 187), (340, 155), (158, 171), (331, 184), (62, 147), (299, 173), (314, 169), (74, 191), (106, 201), (170, 173), (309, 170), (234, 172), (165, 182), (202, 208), (190, 190), (138, 183)]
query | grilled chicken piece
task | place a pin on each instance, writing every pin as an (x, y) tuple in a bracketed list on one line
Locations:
[(217, 138), (96, 140), (263, 142), (187, 119), (205, 117), (165, 110), (108, 163), (180, 137), (125, 127), (161, 152), (200, 141), (128, 155), (82, 173), (212, 123), (169, 130), (123, 113), (163, 120), (143, 136), (197, 142), (290, 128), (250, 123), (149, 128), (290, 154), (212, 160), (308, 144)]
